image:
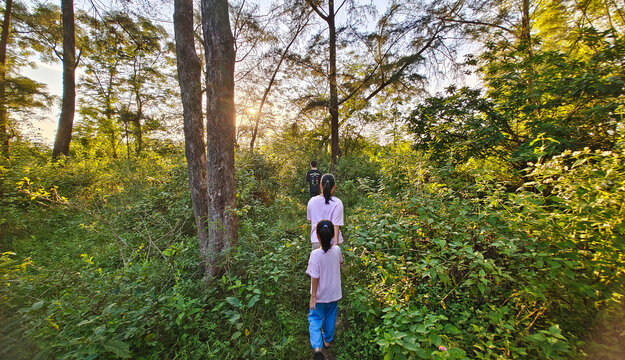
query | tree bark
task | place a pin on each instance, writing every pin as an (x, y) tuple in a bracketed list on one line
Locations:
[(189, 78), (333, 107), (137, 124), (66, 120), (4, 121), (221, 130), (525, 35), (334, 102)]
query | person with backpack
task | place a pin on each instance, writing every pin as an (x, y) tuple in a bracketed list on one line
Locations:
[(312, 178)]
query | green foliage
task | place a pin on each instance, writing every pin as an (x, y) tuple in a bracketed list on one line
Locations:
[(257, 180), (442, 261), (575, 100), (460, 126), (483, 272)]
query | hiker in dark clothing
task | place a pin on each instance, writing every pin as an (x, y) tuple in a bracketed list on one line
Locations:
[(312, 178)]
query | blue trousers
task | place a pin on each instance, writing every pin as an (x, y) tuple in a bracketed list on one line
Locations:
[(324, 316)]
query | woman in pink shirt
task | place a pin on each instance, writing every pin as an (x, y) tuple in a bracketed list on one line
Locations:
[(324, 268), (325, 206)]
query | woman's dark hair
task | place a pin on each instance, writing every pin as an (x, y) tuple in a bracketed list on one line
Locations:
[(325, 230), (327, 181)]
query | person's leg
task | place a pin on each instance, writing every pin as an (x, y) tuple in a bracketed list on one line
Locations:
[(315, 245), (315, 318), (329, 321)]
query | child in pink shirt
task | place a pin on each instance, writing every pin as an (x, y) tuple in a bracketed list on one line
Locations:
[(324, 268), (325, 206)]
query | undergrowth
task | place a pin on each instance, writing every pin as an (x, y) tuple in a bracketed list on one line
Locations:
[(99, 259)]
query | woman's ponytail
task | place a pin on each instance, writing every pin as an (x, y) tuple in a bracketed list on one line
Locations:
[(325, 230), (327, 181)]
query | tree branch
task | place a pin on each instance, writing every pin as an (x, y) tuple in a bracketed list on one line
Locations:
[(409, 62), (317, 10), (475, 22)]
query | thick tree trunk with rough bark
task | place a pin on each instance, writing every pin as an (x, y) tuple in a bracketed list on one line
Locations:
[(189, 77), (4, 119), (220, 128), (66, 120)]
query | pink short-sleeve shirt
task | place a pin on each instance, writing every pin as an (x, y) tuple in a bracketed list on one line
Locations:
[(327, 268), (318, 210)]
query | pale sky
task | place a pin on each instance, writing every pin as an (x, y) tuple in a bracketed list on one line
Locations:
[(45, 123)]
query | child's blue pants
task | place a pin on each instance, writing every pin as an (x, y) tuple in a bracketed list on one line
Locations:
[(324, 316)]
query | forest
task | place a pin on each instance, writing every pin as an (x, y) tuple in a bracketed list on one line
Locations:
[(477, 147)]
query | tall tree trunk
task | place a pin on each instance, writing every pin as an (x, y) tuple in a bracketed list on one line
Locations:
[(334, 102), (525, 35), (189, 78), (220, 128), (333, 107), (4, 121), (127, 141), (114, 144), (137, 123), (66, 121), (109, 113), (138, 134)]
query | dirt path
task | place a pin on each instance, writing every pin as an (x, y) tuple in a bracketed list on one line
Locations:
[(607, 340)]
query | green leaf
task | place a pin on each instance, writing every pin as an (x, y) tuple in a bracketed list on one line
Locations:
[(85, 322), (555, 329), (410, 343), (436, 339), (118, 348), (234, 301), (234, 318), (38, 305), (451, 329), (253, 300)]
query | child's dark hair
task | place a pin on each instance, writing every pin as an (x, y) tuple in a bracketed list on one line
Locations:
[(313, 163), (325, 230), (327, 181)]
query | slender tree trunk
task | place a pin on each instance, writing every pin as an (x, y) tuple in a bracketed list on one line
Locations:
[(525, 35), (334, 102), (127, 141), (114, 144), (220, 128), (333, 107), (189, 77), (66, 121), (138, 135), (109, 112), (138, 129), (4, 120), (271, 81)]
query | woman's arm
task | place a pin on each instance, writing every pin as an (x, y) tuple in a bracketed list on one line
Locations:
[(336, 235), (313, 294)]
